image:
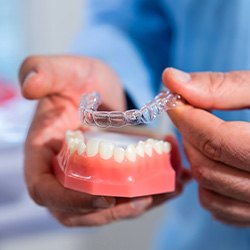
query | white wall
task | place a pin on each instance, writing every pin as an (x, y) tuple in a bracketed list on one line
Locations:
[(51, 24)]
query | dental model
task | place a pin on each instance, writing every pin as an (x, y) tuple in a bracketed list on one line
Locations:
[(89, 115), (111, 163), (119, 166)]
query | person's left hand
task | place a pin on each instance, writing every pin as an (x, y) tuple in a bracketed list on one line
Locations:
[(218, 151)]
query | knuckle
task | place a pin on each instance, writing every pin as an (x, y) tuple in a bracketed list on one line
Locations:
[(118, 214), (228, 219), (67, 222), (211, 148), (202, 175), (35, 193), (204, 199), (216, 83), (112, 215), (220, 218), (208, 201)]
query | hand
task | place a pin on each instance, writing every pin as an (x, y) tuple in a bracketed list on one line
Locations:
[(58, 82), (218, 151)]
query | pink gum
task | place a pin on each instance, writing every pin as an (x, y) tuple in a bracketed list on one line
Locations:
[(94, 175)]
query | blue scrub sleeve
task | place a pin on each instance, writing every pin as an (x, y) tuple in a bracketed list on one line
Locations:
[(128, 36)]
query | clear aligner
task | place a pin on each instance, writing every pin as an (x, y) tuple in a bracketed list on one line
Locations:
[(89, 115)]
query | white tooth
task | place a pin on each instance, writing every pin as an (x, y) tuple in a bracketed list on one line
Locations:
[(140, 149), (77, 141), (148, 149), (68, 135), (141, 143), (150, 141), (81, 148), (131, 153), (79, 134), (166, 147), (158, 147), (92, 147), (119, 154), (71, 145), (106, 150)]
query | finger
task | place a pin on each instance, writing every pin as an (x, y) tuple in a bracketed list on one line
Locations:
[(159, 199), (230, 221), (125, 208), (210, 90), (225, 207), (47, 191), (128, 208), (176, 160), (70, 76), (45, 75), (226, 142), (218, 177)]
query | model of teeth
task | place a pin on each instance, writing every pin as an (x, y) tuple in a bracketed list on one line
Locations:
[(77, 143)]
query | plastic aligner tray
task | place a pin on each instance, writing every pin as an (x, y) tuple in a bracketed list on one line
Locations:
[(103, 119)]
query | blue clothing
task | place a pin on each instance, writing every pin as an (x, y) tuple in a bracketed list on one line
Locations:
[(139, 38)]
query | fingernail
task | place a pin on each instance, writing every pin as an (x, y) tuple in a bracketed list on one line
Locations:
[(104, 202), (180, 76), (27, 77), (140, 204)]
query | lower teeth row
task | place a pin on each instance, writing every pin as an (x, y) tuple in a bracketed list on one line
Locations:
[(107, 150)]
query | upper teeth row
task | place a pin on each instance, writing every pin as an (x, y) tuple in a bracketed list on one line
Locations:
[(106, 149)]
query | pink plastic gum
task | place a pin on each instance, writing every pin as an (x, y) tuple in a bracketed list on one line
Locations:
[(96, 176)]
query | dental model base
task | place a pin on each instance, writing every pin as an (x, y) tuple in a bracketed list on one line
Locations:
[(89, 115), (115, 164)]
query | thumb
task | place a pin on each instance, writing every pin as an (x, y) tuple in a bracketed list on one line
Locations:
[(40, 76), (210, 90)]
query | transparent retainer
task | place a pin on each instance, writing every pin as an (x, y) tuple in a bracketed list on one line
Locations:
[(90, 102)]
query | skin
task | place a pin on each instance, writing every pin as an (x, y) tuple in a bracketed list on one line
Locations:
[(218, 151), (58, 83)]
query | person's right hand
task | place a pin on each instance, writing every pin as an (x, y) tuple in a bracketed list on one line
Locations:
[(59, 82)]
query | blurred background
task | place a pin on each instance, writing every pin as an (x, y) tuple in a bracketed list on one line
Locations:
[(43, 27)]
